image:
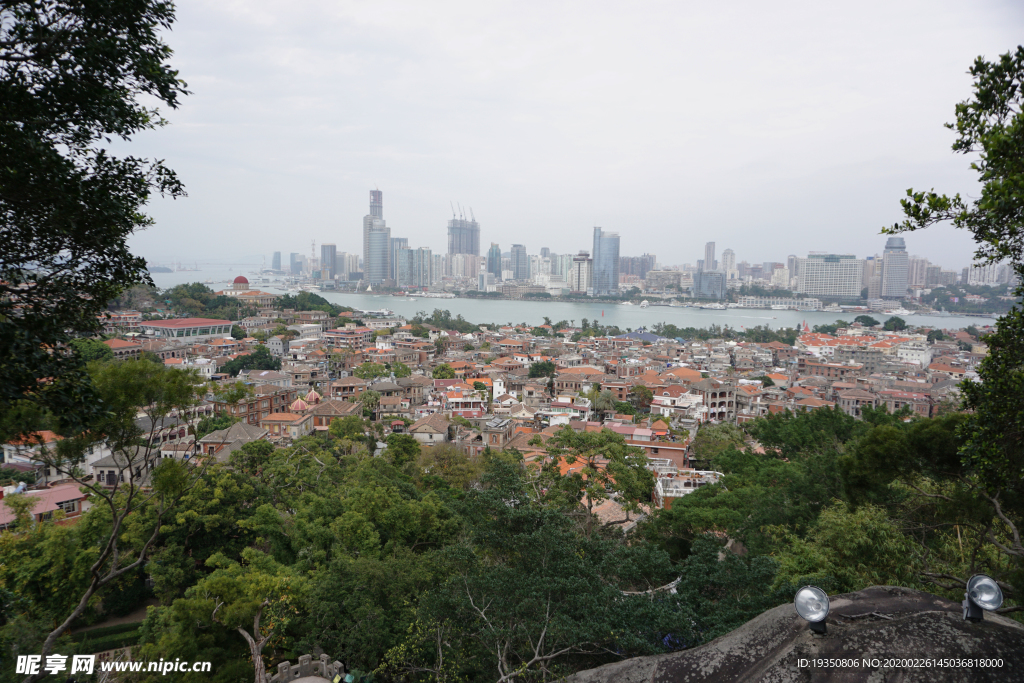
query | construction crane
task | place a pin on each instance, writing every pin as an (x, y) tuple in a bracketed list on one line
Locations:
[(453, 208)]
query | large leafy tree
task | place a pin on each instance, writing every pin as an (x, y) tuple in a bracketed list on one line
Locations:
[(990, 128), (73, 75)]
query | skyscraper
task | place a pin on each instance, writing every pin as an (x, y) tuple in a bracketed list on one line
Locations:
[(378, 254), (414, 266), (328, 261), (729, 264), (295, 263), (709, 256), (494, 261), (276, 262), (520, 263), (605, 276), (376, 242), (396, 244), (579, 278), (376, 203), (463, 236), (895, 269)]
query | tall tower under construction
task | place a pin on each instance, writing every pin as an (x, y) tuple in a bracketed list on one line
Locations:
[(464, 235)]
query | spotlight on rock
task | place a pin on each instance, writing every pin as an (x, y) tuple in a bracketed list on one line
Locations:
[(812, 604), (983, 595)]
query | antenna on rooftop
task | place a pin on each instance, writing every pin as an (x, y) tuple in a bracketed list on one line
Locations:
[(471, 214)]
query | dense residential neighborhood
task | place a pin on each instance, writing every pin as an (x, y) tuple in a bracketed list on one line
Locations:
[(515, 387)]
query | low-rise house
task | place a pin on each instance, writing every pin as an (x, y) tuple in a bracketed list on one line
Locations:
[(223, 441), (431, 429), (49, 502), (287, 425), (852, 402), (330, 410)]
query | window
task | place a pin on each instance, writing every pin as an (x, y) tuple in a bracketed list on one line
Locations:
[(68, 506)]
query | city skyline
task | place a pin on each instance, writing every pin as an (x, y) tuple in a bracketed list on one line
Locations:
[(796, 123)]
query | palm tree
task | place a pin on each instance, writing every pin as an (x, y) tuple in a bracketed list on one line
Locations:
[(605, 402)]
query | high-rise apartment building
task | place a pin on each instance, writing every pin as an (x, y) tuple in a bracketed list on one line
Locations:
[(396, 244), (276, 262), (792, 263), (494, 261), (729, 264), (579, 277), (463, 236), (520, 263), (415, 267), (895, 269), (831, 276), (605, 278), (295, 263), (917, 272), (709, 256), (637, 265), (709, 284), (328, 261)]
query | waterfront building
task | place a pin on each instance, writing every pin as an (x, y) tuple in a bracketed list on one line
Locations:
[(729, 264), (605, 278), (895, 269), (520, 263), (376, 241), (494, 261), (833, 276), (378, 252), (396, 244), (709, 257), (328, 261), (580, 276), (709, 284), (463, 236)]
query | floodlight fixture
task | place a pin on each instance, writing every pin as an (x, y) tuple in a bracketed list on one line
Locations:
[(983, 595), (812, 604)]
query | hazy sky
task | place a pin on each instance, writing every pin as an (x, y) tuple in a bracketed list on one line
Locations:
[(770, 128)]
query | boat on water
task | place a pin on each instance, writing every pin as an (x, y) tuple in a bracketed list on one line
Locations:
[(898, 311), (942, 313), (628, 303), (713, 307), (645, 304)]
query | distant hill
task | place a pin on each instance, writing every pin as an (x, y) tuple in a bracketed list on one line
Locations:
[(159, 269)]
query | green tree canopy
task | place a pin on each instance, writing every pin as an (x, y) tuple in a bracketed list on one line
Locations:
[(91, 349), (895, 324), (73, 74), (370, 371), (865, 320), (443, 371), (259, 358), (544, 368)]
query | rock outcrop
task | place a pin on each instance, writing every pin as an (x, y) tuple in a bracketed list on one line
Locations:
[(890, 633)]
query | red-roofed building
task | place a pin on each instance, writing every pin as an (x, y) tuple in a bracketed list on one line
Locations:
[(66, 498), (124, 349)]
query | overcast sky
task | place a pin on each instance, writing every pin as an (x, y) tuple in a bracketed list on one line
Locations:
[(770, 128)]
